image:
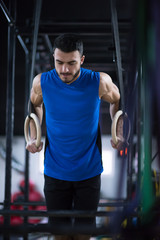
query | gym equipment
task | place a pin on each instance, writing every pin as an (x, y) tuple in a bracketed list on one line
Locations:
[(37, 125), (119, 114), (126, 126)]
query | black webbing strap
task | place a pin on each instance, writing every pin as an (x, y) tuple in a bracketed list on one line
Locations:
[(31, 108), (118, 51)]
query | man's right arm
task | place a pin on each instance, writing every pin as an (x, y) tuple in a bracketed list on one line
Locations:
[(37, 103)]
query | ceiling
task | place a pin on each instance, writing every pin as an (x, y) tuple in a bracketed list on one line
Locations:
[(90, 19)]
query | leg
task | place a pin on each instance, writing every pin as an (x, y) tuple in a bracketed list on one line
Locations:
[(86, 197), (58, 195)]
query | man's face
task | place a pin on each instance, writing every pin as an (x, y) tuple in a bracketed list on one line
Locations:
[(68, 65)]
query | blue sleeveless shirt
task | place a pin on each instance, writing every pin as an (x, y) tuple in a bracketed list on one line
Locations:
[(72, 116)]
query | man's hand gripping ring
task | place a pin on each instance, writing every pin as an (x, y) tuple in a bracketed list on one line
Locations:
[(126, 128)]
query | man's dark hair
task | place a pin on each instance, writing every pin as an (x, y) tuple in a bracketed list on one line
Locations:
[(68, 42)]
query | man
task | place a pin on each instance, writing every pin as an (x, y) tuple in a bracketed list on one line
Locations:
[(71, 96)]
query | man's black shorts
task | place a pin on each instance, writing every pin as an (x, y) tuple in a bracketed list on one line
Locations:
[(68, 195)]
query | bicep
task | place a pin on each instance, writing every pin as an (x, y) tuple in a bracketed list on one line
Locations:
[(36, 91), (108, 91)]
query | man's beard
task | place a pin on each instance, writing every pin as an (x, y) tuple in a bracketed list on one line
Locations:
[(69, 74)]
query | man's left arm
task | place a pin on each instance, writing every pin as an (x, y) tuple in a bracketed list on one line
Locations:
[(109, 92)]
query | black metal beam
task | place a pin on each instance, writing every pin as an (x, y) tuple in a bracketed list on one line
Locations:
[(28, 33), (9, 111), (29, 80), (23, 44), (58, 230), (11, 21), (121, 203), (84, 23), (48, 43), (59, 213), (27, 93), (6, 13), (103, 27), (108, 231)]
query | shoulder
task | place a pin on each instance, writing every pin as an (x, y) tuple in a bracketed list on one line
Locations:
[(105, 79), (105, 83), (107, 89), (37, 79)]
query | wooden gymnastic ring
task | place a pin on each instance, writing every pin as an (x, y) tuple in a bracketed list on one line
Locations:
[(114, 126), (38, 128)]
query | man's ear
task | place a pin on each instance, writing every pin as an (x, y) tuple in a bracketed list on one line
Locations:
[(82, 59)]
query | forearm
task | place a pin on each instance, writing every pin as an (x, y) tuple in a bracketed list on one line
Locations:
[(114, 107)]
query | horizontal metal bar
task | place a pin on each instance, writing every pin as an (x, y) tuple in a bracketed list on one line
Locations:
[(29, 203), (132, 232), (57, 230), (58, 213), (77, 24), (101, 204), (26, 32)]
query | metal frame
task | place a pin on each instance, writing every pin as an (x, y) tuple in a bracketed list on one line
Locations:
[(9, 111), (10, 118)]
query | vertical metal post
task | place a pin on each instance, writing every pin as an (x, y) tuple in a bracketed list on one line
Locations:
[(27, 83), (26, 195), (29, 80), (27, 71), (139, 128), (9, 111)]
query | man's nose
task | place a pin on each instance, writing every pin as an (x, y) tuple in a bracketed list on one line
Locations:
[(65, 68)]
